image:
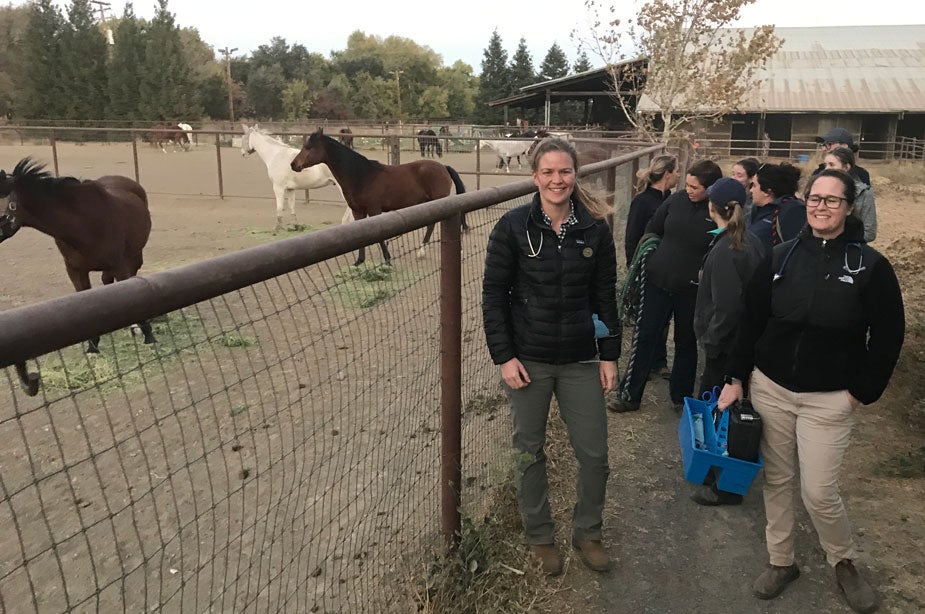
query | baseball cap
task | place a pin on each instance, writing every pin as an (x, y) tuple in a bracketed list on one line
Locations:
[(725, 191), (837, 135)]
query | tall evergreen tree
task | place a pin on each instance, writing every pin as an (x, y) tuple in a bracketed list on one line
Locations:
[(167, 91), (43, 96), (554, 65), (522, 72), (494, 82), (83, 64), (128, 54), (582, 63)]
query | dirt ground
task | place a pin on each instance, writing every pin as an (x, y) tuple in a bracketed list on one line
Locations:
[(672, 555)]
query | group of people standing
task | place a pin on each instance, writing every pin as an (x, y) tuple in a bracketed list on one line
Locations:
[(774, 291)]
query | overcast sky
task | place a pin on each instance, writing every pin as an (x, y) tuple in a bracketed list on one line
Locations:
[(461, 30)]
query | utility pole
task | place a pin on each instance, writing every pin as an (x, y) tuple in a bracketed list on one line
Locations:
[(397, 74), (227, 53), (102, 6)]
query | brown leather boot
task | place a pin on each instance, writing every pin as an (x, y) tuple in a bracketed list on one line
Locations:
[(593, 555), (774, 580), (549, 557), (858, 593)]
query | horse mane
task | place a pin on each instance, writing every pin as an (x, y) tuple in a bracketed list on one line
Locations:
[(31, 175), (352, 163)]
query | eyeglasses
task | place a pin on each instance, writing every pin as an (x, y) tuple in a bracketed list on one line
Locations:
[(832, 202)]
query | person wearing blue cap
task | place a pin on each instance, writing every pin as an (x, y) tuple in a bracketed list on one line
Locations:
[(733, 257)]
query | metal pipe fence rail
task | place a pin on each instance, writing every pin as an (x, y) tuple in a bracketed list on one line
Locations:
[(277, 449)]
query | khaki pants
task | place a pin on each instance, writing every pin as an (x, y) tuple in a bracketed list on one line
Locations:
[(809, 432)]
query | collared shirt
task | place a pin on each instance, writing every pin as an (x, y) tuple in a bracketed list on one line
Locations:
[(571, 221)]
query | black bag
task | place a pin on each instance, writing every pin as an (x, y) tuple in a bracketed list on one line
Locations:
[(744, 437)]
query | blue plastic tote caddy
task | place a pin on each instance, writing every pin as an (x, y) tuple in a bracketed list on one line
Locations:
[(732, 474)]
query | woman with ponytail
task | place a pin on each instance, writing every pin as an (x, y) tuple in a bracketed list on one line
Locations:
[(653, 186), (734, 255)]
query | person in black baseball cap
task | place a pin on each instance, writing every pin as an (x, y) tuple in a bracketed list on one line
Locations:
[(839, 137)]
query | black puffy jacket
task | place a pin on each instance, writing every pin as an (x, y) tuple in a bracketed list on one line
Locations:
[(822, 316), (538, 296)]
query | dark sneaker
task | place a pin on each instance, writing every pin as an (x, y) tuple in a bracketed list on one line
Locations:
[(549, 558), (858, 593), (774, 580), (620, 406), (663, 372), (593, 555), (713, 497)]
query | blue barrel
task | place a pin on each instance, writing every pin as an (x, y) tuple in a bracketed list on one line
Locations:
[(803, 158)]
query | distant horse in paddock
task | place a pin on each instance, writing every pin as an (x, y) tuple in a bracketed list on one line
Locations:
[(371, 187), (346, 138), (188, 130), (277, 156), (169, 133), (506, 149), (429, 144), (98, 224)]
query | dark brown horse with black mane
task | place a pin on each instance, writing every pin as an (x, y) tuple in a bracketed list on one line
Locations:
[(371, 188), (346, 138), (98, 225)]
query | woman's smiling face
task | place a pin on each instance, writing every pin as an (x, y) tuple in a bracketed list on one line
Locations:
[(555, 177)]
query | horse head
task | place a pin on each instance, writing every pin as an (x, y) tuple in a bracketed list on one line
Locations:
[(313, 151), (9, 220), (246, 148)]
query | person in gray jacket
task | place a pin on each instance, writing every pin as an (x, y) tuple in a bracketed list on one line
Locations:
[(865, 208)]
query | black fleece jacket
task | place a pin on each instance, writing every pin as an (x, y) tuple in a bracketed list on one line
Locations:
[(538, 297), (642, 209), (831, 318), (684, 227)]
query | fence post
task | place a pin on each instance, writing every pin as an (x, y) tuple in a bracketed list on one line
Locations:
[(218, 159), (135, 157), (54, 152), (450, 378), (478, 164)]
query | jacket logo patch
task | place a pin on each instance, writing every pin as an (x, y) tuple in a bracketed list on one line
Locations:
[(848, 279), (587, 252)]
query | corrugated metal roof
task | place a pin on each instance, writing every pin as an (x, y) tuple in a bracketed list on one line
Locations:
[(875, 69)]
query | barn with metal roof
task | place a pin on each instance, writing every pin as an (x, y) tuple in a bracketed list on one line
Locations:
[(867, 79)]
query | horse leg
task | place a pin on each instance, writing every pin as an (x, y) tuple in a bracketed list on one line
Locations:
[(80, 279), (465, 226), (290, 196), (280, 206), (427, 235), (386, 256)]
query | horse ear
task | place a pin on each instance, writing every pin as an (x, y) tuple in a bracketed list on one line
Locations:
[(320, 129)]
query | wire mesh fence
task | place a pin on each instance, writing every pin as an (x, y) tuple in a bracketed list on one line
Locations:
[(276, 450)]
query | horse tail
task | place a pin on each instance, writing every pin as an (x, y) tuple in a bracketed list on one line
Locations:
[(457, 181)]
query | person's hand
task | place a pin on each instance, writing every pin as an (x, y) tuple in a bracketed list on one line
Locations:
[(514, 374), (609, 374), (854, 402), (729, 395)]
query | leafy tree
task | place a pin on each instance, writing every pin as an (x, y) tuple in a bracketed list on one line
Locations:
[(494, 81), (167, 91), (297, 100), (554, 65), (522, 72), (698, 68), (13, 23), (461, 87), (433, 103), (43, 95), (128, 52), (374, 97), (213, 96), (333, 100), (265, 86)]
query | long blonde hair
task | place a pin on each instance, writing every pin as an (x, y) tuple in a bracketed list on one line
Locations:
[(658, 167), (597, 207)]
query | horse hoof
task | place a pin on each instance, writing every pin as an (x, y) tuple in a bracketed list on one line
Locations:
[(92, 350), (150, 340), (134, 329), (420, 252)]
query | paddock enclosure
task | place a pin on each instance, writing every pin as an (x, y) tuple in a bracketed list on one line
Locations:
[(288, 445)]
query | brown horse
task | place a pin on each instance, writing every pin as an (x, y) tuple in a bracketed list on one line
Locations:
[(98, 225), (371, 188), (346, 138), (169, 133)]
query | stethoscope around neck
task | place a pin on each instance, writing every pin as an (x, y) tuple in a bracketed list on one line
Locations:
[(851, 271)]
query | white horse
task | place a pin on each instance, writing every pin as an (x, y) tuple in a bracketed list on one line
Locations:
[(189, 134), (507, 149), (278, 156)]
